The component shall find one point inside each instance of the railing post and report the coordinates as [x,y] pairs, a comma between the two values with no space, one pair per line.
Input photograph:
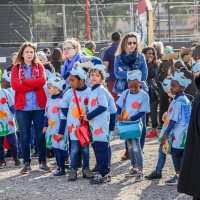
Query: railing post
[64,23]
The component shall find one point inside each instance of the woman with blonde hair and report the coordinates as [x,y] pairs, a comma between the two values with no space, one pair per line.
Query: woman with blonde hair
[128,58]
[71,51]
[27,80]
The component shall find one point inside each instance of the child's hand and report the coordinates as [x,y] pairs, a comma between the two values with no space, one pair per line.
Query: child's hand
[60,137]
[164,138]
[119,118]
[164,117]
[85,118]
[120,69]
[77,63]
[44,130]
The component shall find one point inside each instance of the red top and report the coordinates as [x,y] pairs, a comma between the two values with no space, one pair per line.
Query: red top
[27,85]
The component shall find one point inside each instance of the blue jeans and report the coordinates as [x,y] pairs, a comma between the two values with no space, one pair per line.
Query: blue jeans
[24,119]
[60,157]
[135,152]
[177,155]
[102,152]
[75,149]
[161,160]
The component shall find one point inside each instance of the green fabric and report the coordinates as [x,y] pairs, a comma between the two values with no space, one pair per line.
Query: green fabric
[87,51]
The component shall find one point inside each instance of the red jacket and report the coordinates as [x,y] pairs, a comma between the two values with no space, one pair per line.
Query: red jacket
[27,85]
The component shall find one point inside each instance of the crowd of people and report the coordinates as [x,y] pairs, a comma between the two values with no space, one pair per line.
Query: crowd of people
[58,104]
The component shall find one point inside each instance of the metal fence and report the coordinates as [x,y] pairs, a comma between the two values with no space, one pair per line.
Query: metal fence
[42,23]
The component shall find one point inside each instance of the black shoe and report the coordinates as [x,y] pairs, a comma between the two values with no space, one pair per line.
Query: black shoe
[59,172]
[17,162]
[154,175]
[26,169]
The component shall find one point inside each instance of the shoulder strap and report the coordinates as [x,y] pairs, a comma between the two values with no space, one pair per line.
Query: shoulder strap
[124,101]
[77,103]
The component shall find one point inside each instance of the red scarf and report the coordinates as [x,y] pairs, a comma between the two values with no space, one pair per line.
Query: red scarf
[35,72]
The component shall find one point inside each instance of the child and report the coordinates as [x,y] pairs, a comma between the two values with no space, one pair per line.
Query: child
[70,109]
[132,105]
[157,173]
[99,117]
[56,136]
[178,115]
[7,123]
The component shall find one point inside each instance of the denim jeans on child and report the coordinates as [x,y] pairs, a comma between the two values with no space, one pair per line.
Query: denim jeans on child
[60,157]
[24,119]
[177,155]
[12,141]
[102,152]
[161,160]
[135,152]
[74,154]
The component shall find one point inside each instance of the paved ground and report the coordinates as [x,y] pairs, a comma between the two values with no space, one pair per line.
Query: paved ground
[38,186]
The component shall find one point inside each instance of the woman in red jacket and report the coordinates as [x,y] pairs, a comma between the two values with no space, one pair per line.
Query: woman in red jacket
[28,79]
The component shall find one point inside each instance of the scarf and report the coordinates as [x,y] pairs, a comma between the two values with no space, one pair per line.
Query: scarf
[129,59]
[35,71]
[68,65]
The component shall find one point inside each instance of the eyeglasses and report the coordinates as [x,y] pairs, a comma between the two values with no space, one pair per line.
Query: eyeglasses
[130,43]
[68,48]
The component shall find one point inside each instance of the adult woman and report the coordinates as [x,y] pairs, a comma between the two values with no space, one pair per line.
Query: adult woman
[71,51]
[28,79]
[128,58]
[150,56]
[56,59]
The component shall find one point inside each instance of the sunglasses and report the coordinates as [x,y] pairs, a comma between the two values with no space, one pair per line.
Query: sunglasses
[130,43]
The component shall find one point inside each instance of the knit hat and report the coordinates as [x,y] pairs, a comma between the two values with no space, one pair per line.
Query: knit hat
[6,75]
[134,75]
[166,84]
[79,71]
[48,73]
[179,64]
[181,79]
[196,67]
[56,82]
[168,50]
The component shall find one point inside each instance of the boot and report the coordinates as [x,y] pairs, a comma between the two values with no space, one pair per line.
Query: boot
[87,173]
[72,175]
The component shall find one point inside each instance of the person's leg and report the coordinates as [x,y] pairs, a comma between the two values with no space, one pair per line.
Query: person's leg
[75,147]
[102,156]
[24,119]
[12,141]
[177,155]
[131,153]
[85,156]
[2,153]
[144,131]
[161,160]
[153,114]
[38,121]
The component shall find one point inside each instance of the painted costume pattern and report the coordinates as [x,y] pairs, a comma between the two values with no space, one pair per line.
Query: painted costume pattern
[54,115]
[135,103]
[73,116]
[7,122]
[99,126]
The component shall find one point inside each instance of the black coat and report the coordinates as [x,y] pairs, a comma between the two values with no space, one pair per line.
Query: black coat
[189,182]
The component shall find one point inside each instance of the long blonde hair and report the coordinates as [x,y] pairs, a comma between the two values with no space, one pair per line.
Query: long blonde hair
[122,45]
[20,59]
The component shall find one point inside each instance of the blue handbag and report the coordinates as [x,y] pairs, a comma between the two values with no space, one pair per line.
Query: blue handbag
[129,130]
